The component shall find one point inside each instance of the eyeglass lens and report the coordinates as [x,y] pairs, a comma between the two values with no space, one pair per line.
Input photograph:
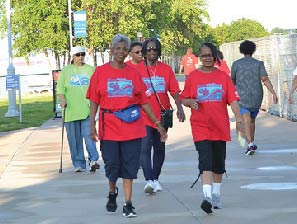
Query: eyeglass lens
[80,54]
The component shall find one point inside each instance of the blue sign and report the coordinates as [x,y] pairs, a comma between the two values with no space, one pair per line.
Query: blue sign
[80,24]
[12,82]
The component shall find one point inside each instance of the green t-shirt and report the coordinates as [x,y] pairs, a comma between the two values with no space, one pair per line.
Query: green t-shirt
[73,83]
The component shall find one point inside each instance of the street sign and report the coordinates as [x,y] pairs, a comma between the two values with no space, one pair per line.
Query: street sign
[80,24]
[12,82]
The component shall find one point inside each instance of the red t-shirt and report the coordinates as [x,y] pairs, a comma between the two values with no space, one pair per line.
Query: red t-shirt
[115,89]
[164,81]
[189,61]
[214,91]
[131,64]
[223,67]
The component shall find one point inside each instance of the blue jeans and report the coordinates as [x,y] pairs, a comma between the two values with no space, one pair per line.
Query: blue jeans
[76,132]
[152,169]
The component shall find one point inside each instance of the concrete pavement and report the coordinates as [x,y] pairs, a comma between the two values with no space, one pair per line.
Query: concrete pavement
[260,189]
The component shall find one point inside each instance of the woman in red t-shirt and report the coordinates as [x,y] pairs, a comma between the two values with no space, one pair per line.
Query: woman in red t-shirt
[115,86]
[207,92]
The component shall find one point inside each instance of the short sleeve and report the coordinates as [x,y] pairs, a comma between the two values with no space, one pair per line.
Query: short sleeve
[93,90]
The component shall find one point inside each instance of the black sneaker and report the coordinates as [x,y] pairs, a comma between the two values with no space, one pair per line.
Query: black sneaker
[251,150]
[206,206]
[128,210]
[111,205]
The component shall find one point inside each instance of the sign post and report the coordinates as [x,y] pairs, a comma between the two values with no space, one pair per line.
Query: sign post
[13,84]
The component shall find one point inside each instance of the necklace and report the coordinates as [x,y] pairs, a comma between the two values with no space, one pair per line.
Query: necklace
[153,72]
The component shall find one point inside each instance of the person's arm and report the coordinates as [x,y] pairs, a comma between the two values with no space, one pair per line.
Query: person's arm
[269,86]
[192,103]
[63,102]
[294,86]
[239,121]
[148,110]
[93,110]
[180,111]
[180,69]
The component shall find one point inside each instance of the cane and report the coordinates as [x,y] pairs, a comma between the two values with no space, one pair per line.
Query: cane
[63,124]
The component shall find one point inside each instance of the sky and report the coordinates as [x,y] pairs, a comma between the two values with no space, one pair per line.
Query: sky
[270,13]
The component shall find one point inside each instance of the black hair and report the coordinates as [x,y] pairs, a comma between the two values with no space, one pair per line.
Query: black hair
[133,44]
[158,46]
[220,55]
[213,50]
[247,47]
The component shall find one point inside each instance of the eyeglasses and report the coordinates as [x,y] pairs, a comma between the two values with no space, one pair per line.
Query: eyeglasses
[206,56]
[136,52]
[80,54]
[152,49]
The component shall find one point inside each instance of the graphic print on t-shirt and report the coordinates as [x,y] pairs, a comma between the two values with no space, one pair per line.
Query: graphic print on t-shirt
[158,83]
[210,93]
[79,80]
[119,87]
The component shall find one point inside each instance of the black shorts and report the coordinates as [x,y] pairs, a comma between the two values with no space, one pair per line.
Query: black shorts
[211,156]
[121,158]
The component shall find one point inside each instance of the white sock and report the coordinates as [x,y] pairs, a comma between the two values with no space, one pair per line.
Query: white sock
[216,188]
[207,190]
[250,144]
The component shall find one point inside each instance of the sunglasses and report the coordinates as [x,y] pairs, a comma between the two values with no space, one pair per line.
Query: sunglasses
[80,54]
[152,49]
[136,52]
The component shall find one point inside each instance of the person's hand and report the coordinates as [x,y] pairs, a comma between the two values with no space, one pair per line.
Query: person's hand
[240,127]
[93,134]
[63,103]
[194,104]
[181,114]
[162,132]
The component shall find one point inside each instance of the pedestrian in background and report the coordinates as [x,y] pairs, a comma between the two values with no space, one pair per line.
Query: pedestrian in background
[116,86]
[294,86]
[222,65]
[160,80]
[208,91]
[72,86]
[248,74]
[135,53]
[189,62]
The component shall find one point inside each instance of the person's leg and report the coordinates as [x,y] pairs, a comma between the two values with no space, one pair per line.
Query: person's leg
[253,128]
[75,143]
[90,144]
[111,157]
[246,115]
[204,149]
[146,148]
[159,154]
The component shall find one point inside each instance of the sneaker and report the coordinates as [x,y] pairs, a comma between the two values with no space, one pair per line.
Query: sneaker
[128,210]
[206,205]
[250,150]
[111,205]
[216,201]
[93,166]
[97,166]
[78,170]
[158,186]
[149,187]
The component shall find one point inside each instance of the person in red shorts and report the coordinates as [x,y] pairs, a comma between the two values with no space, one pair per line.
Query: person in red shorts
[160,80]
[116,86]
[189,62]
[208,91]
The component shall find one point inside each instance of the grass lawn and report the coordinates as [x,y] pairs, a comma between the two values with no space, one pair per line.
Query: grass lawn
[36,109]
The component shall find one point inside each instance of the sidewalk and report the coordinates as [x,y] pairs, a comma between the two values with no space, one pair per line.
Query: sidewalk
[32,190]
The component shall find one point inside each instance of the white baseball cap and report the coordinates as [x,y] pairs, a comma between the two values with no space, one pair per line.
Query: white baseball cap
[77,49]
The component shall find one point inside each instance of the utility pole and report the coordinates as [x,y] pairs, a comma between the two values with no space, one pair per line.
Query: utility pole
[12,109]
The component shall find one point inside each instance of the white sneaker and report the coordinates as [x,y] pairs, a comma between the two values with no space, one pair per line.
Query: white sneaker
[78,170]
[149,187]
[158,186]
[93,165]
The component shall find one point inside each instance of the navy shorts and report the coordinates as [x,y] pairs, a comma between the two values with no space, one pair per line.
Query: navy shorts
[121,158]
[211,156]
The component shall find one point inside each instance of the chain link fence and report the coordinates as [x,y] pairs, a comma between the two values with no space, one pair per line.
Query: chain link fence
[279,54]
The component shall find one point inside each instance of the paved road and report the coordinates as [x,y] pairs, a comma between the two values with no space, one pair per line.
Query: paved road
[260,189]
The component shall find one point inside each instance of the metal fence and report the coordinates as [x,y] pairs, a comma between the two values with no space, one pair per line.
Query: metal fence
[279,54]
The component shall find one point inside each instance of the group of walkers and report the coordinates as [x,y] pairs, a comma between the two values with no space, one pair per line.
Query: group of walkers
[131,101]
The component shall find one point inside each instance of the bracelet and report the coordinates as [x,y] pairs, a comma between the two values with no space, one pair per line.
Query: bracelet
[157,122]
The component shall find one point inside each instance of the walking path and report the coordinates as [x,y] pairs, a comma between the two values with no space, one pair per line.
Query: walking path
[260,189]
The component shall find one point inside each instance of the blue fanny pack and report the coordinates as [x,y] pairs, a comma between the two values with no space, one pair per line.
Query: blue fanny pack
[128,114]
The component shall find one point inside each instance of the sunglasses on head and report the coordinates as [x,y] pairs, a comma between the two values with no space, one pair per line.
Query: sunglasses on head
[152,49]
[80,54]
[136,52]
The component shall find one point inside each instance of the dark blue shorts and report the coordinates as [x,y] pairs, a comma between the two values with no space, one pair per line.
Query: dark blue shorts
[253,113]
[121,158]
[211,156]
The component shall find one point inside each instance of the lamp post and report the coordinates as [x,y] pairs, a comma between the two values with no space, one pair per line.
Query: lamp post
[12,109]
[70,22]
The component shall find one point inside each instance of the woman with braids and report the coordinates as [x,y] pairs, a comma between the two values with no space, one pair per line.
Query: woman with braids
[208,91]
[160,80]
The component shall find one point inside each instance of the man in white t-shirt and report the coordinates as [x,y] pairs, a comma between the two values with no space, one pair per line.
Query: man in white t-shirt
[294,86]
